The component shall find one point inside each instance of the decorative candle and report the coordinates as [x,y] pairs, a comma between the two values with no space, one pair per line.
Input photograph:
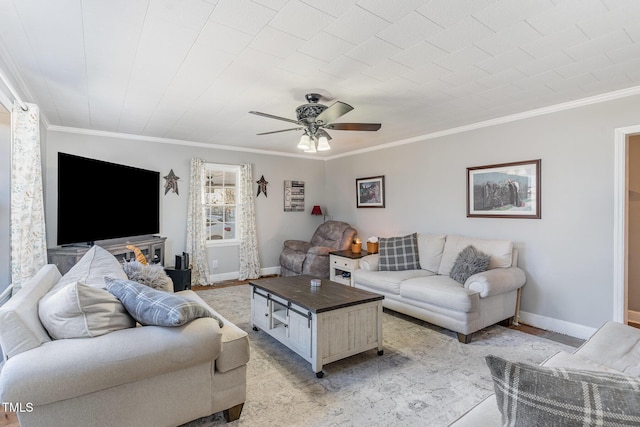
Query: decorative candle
[356,247]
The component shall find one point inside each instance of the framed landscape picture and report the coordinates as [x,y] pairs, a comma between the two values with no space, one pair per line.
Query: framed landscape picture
[507,190]
[370,192]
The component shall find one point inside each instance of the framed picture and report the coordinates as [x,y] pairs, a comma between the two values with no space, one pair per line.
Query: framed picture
[294,196]
[370,192]
[507,190]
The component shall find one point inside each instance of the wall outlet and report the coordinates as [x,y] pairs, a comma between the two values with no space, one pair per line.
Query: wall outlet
[214,263]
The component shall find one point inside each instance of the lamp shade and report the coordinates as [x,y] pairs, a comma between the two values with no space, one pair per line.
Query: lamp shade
[304,142]
[316,210]
[323,144]
[312,147]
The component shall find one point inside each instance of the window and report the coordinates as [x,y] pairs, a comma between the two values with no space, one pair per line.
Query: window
[221,208]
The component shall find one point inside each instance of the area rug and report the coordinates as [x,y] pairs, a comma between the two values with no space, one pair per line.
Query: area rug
[425,377]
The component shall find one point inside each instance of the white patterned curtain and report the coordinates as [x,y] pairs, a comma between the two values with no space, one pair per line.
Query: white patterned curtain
[196,240]
[249,260]
[28,237]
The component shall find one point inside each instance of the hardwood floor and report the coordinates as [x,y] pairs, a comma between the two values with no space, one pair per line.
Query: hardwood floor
[8,419]
[553,336]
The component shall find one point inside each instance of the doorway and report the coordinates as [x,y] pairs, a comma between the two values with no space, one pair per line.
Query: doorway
[626,236]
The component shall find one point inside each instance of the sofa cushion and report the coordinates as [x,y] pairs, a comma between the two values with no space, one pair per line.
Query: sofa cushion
[442,291]
[530,395]
[430,249]
[562,359]
[470,261]
[387,281]
[81,311]
[94,265]
[152,275]
[501,252]
[235,341]
[20,327]
[399,253]
[615,345]
[152,307]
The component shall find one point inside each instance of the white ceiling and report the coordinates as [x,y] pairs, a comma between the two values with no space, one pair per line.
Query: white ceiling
[192,69]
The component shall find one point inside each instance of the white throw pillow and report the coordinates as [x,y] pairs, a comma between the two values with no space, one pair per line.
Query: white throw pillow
[20,327]
[92,268]
[81,311]
[430,248]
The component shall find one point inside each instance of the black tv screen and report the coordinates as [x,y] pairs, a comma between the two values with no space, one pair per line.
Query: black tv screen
[98,200]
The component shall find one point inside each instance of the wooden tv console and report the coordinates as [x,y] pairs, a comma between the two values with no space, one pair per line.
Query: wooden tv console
[65,257]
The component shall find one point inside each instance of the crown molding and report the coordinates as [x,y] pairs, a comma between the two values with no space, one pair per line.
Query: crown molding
[160,140]
[597,99]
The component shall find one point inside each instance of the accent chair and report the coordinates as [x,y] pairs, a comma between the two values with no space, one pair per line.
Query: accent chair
[300,257]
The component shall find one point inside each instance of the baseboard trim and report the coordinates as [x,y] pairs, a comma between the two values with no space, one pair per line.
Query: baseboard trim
[557,325]
[236,274]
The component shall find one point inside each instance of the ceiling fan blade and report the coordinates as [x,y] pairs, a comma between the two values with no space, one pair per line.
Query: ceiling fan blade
[354,126]
[337,109]
[322,132]
[278,131]
[271,116]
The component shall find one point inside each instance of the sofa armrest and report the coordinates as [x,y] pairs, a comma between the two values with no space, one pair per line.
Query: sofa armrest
[67,368]
[496,281]
[370,262]
[320,250]
[297,245]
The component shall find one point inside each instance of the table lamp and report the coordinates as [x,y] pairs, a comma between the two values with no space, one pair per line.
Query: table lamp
[317,210]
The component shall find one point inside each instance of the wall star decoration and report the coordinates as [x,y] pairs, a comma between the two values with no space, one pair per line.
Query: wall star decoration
[262,186]
[171,183]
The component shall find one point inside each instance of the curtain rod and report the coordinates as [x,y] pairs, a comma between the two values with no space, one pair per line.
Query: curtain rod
[6,82]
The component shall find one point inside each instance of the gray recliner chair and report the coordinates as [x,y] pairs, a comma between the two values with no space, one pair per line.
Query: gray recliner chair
[300,257]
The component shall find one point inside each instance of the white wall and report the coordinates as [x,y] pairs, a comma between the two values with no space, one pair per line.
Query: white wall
[5,201]
[567,255]
[274,225]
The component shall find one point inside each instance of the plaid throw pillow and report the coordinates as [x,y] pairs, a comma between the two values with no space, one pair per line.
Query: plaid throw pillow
[399,253]
[152,307]
[534,396]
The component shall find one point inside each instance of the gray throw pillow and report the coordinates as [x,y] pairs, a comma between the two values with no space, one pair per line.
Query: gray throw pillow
[470,261]
[152,275]
[532,396]
[399,253]
[152,307]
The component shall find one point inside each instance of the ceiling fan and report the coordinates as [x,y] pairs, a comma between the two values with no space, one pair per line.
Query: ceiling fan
[314,118]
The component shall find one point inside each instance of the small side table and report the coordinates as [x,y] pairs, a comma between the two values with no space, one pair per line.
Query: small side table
[342,264]
[181,278]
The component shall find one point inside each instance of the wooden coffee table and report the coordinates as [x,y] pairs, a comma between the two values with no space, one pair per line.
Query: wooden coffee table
[322,324]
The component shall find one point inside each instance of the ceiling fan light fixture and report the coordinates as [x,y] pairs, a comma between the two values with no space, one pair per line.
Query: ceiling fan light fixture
[305,142]
[312,147]
[323,144]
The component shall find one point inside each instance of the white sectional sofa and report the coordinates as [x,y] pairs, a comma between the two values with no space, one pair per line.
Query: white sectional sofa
[613,349]
[430,294]
[133,376]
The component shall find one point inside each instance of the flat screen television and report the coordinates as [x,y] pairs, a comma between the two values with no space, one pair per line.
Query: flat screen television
[98,200]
